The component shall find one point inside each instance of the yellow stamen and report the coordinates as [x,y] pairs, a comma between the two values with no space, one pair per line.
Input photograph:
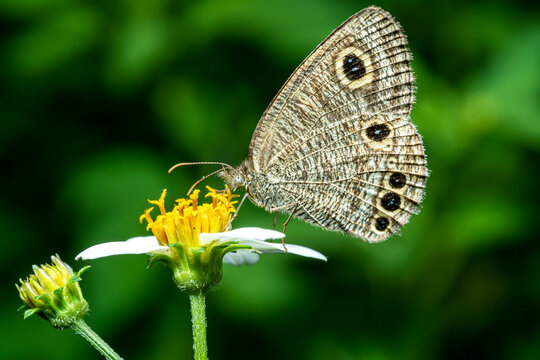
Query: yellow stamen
[148,218]
[195,197]
[160,202]
[189,218]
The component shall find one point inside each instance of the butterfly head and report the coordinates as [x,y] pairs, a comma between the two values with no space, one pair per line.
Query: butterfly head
[234,177]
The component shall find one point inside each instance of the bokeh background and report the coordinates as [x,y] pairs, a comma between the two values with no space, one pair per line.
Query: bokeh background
[100,98]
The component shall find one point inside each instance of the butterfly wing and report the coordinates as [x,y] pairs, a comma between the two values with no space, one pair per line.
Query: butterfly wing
[337,138]
[365,176]
[377,78]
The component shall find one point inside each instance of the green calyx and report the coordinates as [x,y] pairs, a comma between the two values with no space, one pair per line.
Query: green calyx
[196,269]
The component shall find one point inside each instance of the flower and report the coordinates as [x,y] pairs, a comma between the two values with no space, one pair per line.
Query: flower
[194,239]
[53,292]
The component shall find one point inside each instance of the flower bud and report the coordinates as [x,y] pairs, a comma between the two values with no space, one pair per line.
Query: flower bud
[53,292]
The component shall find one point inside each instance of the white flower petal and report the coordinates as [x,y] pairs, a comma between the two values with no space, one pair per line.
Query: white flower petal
[136,245]
[254,237]
[241,257]
[268,248]
[247,233]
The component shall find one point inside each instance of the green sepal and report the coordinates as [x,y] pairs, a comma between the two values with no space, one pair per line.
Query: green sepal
[22,307]
[57,292]
[77,277]
[151,261]
[30,312]
[198,250]
[154,258]
[74,279]
[234,247]
[80,272]
[46,296]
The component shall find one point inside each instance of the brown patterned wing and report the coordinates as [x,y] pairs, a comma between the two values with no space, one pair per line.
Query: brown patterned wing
[338,140]
[371,179]
[362,67]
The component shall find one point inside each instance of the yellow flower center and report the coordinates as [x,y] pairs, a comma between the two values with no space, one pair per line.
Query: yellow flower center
[189,218]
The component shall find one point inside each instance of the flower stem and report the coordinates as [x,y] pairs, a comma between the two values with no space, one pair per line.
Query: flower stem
[81,328]
[198,320]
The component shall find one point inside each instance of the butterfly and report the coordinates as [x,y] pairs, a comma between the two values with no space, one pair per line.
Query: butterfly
[336,147]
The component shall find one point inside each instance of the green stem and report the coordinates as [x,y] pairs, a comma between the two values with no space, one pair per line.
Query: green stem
[198,320]
[81,328]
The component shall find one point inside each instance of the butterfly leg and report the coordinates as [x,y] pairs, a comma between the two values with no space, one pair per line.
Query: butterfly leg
[289,219]
[285,224]
[276,209]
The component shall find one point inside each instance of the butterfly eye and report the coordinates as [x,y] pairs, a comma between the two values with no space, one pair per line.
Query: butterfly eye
[239,180]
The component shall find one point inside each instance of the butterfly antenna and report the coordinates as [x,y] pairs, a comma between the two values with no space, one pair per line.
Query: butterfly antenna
[236,212]
[200,163]
[201,179]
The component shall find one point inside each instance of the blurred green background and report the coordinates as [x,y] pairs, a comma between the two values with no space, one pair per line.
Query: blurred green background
[100,98]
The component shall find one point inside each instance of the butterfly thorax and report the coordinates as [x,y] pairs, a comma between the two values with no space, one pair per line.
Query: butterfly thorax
[264,190]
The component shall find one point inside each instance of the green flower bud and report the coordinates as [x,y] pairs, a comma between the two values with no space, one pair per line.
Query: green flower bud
[53,292]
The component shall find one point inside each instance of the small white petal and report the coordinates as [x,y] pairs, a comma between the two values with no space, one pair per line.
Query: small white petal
[136,245]
[268,248]
[241,257]
[247,233]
